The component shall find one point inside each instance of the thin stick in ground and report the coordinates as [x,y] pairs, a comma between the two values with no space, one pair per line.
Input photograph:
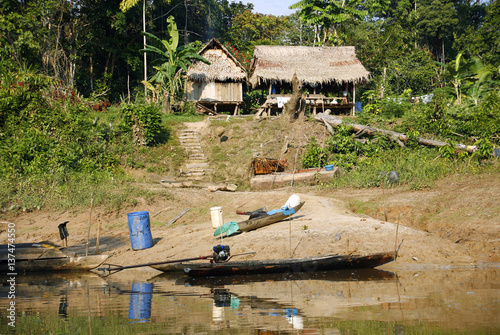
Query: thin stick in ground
[90,224]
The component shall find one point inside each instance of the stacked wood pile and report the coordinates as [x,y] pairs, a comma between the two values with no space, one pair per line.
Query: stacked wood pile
[267,165]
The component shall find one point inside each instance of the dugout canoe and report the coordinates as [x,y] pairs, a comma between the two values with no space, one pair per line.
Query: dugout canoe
[262,221]
[35,257]
[293,265]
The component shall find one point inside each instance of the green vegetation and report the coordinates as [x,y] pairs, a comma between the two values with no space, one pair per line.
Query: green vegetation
[167,79]
[75,121]
[56,149]
[419,166]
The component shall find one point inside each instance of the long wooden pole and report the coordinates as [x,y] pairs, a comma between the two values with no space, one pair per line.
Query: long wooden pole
[98,238]
[90,224]
[144,45]
[396,242]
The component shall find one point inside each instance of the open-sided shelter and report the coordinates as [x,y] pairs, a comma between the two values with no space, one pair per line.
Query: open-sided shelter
[329,75]
[218,85]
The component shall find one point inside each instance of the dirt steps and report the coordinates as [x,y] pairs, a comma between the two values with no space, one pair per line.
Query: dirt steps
[197,165]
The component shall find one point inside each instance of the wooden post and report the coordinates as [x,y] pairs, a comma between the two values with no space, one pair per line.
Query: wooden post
[90,224]
[354,99]
[144,46]
[98,238]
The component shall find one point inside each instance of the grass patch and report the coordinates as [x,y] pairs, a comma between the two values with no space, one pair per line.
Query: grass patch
[362,207]
[417,168]
[74,192]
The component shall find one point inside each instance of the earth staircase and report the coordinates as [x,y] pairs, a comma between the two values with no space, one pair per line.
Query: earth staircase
[197,165]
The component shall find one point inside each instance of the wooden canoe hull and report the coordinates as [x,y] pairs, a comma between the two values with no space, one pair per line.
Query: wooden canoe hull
[34,257]
[263,221]
[27,251]
[82,263]
[295,265]
[176,267]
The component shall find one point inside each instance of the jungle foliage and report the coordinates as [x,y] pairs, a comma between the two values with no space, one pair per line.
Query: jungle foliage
[74,115]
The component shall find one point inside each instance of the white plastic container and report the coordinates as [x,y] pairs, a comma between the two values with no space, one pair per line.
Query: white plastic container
[293,201]
[217,217]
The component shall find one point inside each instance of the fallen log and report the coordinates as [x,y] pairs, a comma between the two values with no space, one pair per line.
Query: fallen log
[268,181]
[331,121]
[195,184]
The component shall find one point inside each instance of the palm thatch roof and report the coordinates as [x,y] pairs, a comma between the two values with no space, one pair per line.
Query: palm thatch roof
[313,65]
[223,66]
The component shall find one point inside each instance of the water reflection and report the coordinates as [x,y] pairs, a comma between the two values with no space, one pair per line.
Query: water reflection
[63,307]
[420,302]
[140,302]
[330,276]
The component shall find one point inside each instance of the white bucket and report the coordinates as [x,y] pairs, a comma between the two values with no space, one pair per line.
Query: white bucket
[217,217]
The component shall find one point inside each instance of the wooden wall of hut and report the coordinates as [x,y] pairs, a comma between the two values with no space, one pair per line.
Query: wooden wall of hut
[214,91]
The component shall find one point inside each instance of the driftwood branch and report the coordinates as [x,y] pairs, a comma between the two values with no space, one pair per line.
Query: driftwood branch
[177,217]
[400,138]
[164,209]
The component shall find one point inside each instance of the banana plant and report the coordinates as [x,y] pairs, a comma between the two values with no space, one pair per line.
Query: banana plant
[173,59]
[457,71]
[480,80]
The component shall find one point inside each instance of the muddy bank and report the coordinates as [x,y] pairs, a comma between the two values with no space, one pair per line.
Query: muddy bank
[324,225]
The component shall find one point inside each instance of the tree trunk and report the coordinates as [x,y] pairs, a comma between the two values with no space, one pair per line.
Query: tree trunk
[292,108]
[333,121]
[165,103]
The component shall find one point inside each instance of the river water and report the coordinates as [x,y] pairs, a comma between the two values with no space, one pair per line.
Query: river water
[411,301]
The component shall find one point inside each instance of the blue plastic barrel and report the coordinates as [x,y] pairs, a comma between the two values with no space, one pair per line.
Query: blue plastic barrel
[140,302]
[140,230]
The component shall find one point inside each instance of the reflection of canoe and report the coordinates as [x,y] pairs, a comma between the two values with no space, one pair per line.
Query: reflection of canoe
[357,275]
[31,257]
[293,265]
[265,220]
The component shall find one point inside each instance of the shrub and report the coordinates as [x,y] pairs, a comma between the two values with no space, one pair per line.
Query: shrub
[314,155]
[145,122]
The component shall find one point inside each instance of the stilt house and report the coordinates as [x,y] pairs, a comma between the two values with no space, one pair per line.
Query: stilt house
[218,86]
[329,76]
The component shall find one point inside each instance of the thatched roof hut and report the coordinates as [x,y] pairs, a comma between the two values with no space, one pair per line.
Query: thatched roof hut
[218,84]
[313,65]
[223,66]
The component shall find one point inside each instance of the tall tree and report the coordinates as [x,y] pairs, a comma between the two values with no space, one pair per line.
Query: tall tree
[108,50]
[23,31]
[173,58]
[491,32]
[249,29]
[125,5]
[482,36]
[328,17]
[437,22]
